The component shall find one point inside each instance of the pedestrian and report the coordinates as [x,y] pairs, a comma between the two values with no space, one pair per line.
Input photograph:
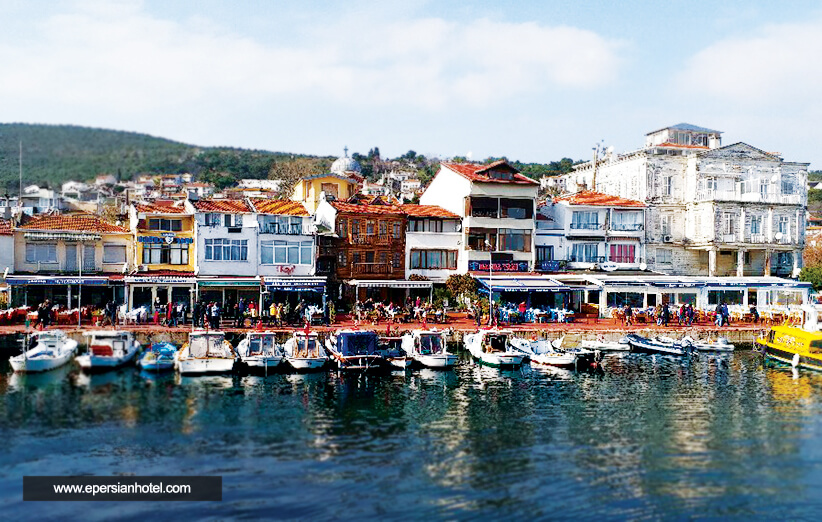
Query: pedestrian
[755,313]
[666,315]
[239,311]
[718,312]
[726,316]
[629,315]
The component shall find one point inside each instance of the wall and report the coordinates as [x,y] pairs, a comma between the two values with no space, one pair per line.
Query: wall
[248,232]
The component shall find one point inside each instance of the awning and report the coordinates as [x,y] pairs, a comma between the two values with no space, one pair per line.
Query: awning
[295,284]
[388,283]
[165,280]
[523,284]
[55,280]
[230,281]
[65,236]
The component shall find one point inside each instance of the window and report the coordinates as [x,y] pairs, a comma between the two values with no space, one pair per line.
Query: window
[341,259]
[226,250]
[584,253]
[664,256]
[478,236]
[397,263]
[342,228]
[434,259]
[425,225]
[41,252]
[665,224]
[383,228]
[668,186]
[287,252]
[756,224]
[114,253]
[763,188]
[330,189]
[168,225]
[728,223]
[383,257]
[355,257]
[783,225]
[516,208]
[212,219]
[369,228]
[622,253]
[515,240]
[355,227]
[484,207]
[369,256]
[623,220]
[585,220]
[397,230]
[787,185]
[729,297]
[545,253]
[233,220]
[164,254]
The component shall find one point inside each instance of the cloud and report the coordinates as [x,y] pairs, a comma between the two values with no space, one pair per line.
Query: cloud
[779,64]
[116,56]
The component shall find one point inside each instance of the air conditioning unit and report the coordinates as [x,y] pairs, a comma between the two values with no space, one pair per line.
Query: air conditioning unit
[667,239]
[141,268]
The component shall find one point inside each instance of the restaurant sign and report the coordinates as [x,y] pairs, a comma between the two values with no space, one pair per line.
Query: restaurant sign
[504,266]
[57,280]
[167,239]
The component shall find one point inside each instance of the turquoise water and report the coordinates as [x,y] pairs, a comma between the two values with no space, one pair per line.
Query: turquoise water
[649,438]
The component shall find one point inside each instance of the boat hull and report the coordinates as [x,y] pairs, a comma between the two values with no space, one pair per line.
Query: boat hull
[501,360]
[97,363]
[158,366]
[34,365]
[262,362]
[557,361]
[205,366]
[307,364]
[400,363]
[363,363]
[441,361]
[786,357]
[648,346]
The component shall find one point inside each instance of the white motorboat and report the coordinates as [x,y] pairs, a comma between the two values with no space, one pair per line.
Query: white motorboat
[45,351]
[659,345]
[304,352]
[391,348]
[108,349]
[428,349]
[548,353]
[259,351]
[605,346]
[720,345]
[206,352]
[356,350]
[493,348]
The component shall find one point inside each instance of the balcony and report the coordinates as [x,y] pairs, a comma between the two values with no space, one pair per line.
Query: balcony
[622,259]
[627,227]
[585,226]
[372,239]
[586,259]
[756,238]
[372,268]
[748,197]
[285,230]
[782,239]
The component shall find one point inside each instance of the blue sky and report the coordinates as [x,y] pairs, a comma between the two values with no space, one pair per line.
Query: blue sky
[534,81]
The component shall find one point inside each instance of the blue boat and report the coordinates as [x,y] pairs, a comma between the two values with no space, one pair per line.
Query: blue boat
[159,358]
[357,350]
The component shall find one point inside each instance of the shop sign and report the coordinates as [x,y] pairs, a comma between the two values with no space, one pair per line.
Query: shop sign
[505,266]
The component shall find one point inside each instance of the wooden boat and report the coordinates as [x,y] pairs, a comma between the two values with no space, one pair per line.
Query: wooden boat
[428,349]
[259,351]
[206,352]
[659,346]
[391,348]
[304,352]
[492,347]
[45,351]
[108,349]
[356,350]
[159,357]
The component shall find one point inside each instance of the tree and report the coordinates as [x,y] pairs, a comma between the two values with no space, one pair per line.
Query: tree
[812,275]
[291,171]
[812,255]
[462,286]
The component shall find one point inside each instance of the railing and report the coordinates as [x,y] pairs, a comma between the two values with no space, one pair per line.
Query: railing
[748,197]
[627,227]
[585,226]
[784,240]
[729,238]
[622,259]
[586,259]
[372,268]
[483,213]
[56,267]
[286,230]
[372,239]
[756,238]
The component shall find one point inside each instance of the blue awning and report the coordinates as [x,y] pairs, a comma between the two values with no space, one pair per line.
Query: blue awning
[55,280]
[295,284]
[522,284]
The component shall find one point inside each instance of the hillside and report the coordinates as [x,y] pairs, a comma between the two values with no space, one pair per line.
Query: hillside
[53,154]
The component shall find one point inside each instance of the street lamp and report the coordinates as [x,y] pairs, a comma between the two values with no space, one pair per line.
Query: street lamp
[490,282]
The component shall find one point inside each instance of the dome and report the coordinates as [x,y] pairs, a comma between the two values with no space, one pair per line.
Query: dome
[345,164]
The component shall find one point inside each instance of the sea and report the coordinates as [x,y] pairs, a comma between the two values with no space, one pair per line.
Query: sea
[649,437]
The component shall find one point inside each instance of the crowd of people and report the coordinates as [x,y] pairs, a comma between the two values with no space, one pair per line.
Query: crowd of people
[664,314]
[411,310]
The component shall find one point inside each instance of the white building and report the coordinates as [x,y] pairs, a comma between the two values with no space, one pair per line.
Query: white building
[36,200]
[590,229]
[711,210]
[226,237]
[497,207]
[432,242]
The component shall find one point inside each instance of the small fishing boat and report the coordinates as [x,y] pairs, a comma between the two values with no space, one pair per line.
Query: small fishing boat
[391,349]
[259,351]
[206,352]
[304,352]
[159,357]
[605,346]
[108,349]
[45,351]
[493,348]
[720,345]
[658,345]
[549,353]
[356,350]
[428,349]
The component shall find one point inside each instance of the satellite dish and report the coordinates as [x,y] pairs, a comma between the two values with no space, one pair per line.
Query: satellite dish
[643,266]
[774,178]
[778,236]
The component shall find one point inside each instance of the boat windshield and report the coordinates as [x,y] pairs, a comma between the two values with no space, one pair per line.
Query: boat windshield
[307,347]
[496,343]
[259,344]
[364,343]
[391,346]
[430,344]
[205,345]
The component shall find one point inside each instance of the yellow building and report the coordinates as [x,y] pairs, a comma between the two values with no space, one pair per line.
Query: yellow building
[342,182]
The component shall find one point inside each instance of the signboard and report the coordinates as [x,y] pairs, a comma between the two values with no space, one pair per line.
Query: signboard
[548,266]
[57,281]
[505,266]
[161,280]
[165,239]
[608,266]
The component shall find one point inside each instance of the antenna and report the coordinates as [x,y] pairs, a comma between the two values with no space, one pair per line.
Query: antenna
[20,197]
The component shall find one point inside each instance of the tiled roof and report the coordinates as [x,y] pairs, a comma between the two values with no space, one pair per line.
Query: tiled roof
[427,211]
[160,208]
[283,207]
[680,146]
[225,206]
[6,227]
[73,222]
[366,209]
[592,198]
[475,172]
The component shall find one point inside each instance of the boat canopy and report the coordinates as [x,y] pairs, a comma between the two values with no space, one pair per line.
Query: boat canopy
[205,344]
[259,344]
[431,344]
[357,343]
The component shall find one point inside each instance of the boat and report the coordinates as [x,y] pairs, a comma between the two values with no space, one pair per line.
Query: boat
[159,357]
[720,345]
[356,350]
[45,351]
[658,345]
[801,347]
[206,352]
[108,349]
[391,348]
[548,353]
[428,349]
[605,346]
[259,351]
[304,352]
[493,348]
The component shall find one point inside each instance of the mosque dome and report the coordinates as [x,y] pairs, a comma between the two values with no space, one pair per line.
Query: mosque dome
[345,164]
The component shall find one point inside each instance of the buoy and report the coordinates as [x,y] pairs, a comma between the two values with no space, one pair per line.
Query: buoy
[795,360]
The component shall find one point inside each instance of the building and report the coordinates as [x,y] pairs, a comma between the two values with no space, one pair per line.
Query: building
[588,230]
[496,204]
[163,233]
[342,182]
[56,254]
[432,242]
[711,209]
[36,200]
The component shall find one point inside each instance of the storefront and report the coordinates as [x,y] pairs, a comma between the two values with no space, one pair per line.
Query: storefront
[391,290]
[230,289]
[64,291]
[143,290]
[535,291]
[311,289]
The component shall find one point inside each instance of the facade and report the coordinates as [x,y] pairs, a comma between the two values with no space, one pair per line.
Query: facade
[497,207]
[226,237]
[711,210]
[341,183]
[432,242]
[590,229]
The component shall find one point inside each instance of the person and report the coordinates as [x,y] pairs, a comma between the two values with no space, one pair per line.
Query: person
[195,313]
[666,315]
[215,316]
[755,313]
[629,314]
[496,314]
[718,311]
[690,313]
[46,319]
[156,310]
[332,313]
[111,312]
[171,314]
[39,314]
[726,315]
[521,310]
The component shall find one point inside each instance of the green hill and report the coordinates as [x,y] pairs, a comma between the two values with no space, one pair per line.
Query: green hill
[53,154]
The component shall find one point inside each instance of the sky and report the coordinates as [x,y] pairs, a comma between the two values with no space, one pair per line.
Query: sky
[531,81]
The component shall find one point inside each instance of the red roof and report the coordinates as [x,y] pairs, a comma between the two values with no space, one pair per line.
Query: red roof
[481,173]
[225,206]
[72,222]
[427,211]
[591,198]
[366,209]
[6,227]
[165,207]
[283,207]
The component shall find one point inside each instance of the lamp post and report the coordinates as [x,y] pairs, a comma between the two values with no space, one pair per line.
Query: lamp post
[490,282]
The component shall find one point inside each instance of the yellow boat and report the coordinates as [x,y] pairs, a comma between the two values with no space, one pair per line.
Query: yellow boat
[799,347]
